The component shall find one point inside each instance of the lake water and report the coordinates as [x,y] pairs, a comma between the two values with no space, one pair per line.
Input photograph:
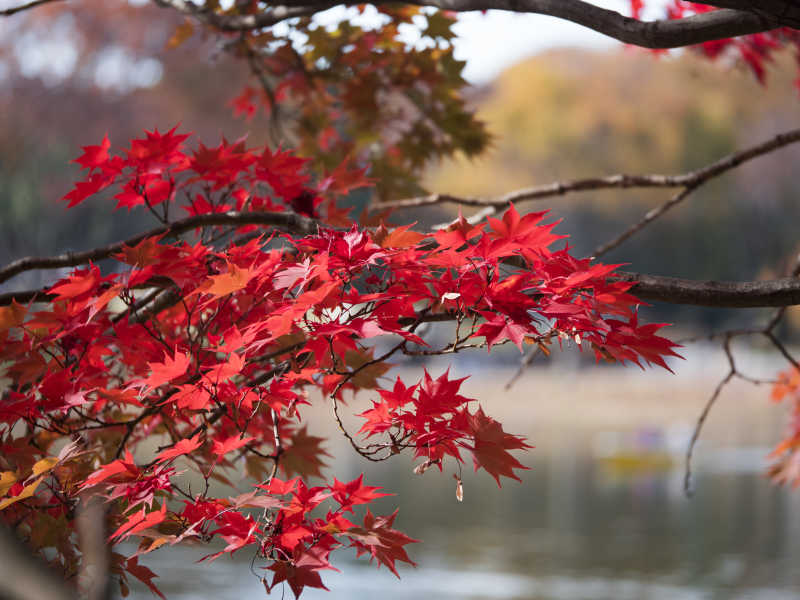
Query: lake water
[601,514]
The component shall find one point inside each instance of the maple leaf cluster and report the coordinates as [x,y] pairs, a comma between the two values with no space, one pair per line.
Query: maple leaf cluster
[756,50]
[198,346]
[363,90]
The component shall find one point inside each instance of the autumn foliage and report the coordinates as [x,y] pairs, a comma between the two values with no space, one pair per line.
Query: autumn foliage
[757,50]
[189,353]
[193,351]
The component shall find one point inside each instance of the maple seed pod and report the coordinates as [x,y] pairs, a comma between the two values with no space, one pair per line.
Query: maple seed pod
[422,467]
[459,488]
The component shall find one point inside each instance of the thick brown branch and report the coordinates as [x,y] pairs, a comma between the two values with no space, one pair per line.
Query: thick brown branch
[723,294]
[667,33]
[673,33]
[288,221]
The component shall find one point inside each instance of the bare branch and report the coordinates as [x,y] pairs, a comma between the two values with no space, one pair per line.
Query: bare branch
[650,216]
[697,178]
[782,349]
[526,361]
[687,478]
[690,179]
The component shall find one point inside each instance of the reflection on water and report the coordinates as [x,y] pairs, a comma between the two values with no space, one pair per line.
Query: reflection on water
[574,529]
[600,515]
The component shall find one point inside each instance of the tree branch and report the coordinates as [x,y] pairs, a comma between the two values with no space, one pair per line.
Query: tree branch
[288,221]
[785,12]
[697,179]
[667,33]
[722,294]
[658,288]
[619,181]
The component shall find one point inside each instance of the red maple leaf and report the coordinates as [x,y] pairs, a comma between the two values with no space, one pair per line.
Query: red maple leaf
[166,371]
[143,574]
[186,446]
[491,445]
[499,327]
[380,541]
[234,442]
[354,492]
[94,156]
[301,571]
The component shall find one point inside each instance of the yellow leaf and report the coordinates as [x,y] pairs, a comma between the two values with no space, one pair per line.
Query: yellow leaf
[182,33]
[7,479]
[26,492]
[157,543]
[44,465]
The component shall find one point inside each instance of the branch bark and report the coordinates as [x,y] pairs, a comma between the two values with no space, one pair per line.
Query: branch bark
[786,12]
[722,294]
[288,221]
[667,33]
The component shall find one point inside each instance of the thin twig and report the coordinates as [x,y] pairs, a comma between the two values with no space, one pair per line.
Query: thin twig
[687,478]
[648,218]
[527,359]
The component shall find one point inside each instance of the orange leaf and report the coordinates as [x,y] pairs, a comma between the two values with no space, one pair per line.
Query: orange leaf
[182,33]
